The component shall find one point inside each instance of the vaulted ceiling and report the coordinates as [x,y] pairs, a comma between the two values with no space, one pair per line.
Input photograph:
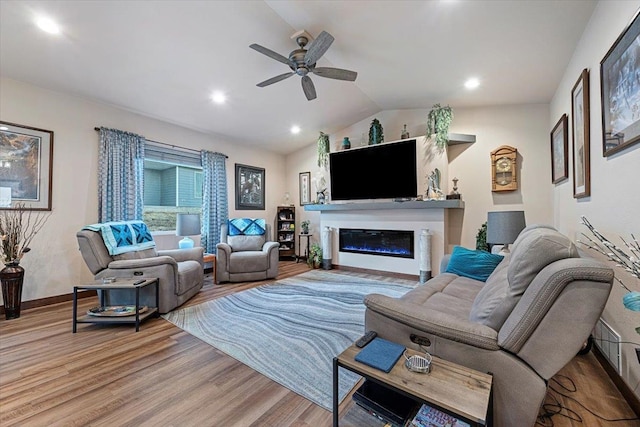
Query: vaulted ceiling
[164,59]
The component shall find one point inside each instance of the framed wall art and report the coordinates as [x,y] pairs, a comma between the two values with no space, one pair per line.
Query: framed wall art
[620,97]
[560,151]
[249,187]
[580,136]
[304,184]
[26,166]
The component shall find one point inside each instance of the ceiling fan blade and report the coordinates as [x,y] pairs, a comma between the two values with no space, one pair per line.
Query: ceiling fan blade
[318,47]
[308,88]
[275,79]
[335,73]
[271,54]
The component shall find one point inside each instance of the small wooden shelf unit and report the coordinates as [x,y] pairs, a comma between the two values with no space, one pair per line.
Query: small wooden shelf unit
[285,231]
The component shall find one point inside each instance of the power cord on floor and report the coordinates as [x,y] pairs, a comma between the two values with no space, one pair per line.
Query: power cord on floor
[555,408]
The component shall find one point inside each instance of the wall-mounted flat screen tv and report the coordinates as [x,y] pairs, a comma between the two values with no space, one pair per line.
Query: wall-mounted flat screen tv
[385,171]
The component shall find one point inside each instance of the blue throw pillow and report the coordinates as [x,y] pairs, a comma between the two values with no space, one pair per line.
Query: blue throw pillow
[476,265]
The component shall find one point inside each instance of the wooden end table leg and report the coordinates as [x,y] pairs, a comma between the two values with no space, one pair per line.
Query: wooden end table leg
[137,308]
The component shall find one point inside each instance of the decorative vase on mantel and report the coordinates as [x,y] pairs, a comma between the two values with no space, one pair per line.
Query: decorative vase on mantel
[346,144]
[12,276]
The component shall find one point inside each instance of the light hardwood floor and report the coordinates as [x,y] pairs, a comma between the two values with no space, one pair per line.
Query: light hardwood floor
[162,376]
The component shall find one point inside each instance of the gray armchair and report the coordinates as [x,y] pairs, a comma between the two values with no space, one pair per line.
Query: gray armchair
[246,258]
[180,271]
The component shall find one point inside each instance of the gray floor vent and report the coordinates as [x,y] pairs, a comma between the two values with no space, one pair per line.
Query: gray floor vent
[608,342]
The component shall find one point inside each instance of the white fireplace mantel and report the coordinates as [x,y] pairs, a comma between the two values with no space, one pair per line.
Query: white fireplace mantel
[412,204]
[410,215]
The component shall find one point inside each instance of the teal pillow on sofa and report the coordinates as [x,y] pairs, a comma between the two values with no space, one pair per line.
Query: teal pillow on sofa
[476,265]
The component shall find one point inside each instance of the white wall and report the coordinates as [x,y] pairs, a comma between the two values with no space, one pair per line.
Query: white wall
[54,264]
[522,126]
[614,205]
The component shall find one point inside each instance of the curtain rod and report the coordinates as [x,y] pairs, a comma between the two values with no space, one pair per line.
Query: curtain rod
[169,145]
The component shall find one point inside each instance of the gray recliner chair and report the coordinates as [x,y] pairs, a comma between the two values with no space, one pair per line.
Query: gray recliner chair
[180,271]
[246,258]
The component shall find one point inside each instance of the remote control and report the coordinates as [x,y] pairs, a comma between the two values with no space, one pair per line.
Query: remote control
[366,339]
[139,281]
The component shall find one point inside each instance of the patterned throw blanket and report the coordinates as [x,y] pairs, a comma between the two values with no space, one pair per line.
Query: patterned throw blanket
[124,236]
[247,227]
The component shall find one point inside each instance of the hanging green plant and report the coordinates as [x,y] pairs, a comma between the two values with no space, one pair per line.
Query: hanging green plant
[438,121]
[376,136]
[323,150]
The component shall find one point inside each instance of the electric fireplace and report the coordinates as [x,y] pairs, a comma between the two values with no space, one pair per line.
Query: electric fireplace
[393,243]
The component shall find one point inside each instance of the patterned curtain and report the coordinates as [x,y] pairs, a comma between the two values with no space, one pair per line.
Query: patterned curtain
[215,204]
[120,175]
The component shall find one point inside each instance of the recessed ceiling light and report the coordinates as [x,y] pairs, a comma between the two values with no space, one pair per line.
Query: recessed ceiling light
[47,25]
[472,83]
[295,129]
[218,97]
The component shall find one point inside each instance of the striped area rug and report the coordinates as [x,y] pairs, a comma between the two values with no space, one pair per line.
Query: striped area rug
[291,330]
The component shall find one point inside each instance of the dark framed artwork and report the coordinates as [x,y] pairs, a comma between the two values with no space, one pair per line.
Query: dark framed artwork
[26,166]
[249,187]
[580,136]
[620,91]
[560,150]
[304,184]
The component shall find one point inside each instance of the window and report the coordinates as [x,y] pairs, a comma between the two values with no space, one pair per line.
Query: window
[172,185]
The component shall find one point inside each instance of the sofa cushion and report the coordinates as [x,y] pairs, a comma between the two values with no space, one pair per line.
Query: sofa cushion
[477,265]
[534,249]
[246,243]
[248,261]
[146,253]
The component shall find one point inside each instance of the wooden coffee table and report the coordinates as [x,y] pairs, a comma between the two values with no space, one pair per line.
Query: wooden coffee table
[449,387]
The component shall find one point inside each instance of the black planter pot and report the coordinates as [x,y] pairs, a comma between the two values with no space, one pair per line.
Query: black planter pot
[12,276]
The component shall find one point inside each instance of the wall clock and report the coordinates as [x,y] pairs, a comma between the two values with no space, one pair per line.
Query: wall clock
[504,173]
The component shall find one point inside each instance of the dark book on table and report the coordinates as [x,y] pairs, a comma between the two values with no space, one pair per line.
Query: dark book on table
[380,354]
[385,403]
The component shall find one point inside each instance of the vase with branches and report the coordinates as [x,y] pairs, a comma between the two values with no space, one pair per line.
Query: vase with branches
[18,227]
[626,257]
[438,122]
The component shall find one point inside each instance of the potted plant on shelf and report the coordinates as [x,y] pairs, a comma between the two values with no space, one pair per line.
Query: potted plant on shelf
[304,226]
[17,229]
[315,256]
[438,121]
[376,136]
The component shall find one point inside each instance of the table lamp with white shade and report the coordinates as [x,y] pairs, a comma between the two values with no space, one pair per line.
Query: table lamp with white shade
[187,225]
[504,227]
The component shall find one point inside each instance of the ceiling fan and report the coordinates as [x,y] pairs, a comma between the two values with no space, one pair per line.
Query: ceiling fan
[303,61]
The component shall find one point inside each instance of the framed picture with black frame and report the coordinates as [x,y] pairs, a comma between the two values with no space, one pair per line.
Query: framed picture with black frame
[620,91]
[26,167]
[304,184]
[580,136]
[249,187]
[560,151]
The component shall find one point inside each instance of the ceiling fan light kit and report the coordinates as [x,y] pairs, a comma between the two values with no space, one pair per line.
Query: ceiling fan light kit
[303,61]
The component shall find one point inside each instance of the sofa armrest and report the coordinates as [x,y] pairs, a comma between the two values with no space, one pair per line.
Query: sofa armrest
[444,263]
[190,254]
[142,263]
[435,322]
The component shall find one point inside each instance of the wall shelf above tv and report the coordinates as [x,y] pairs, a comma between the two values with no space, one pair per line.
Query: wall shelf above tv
[413,204]
[461,138]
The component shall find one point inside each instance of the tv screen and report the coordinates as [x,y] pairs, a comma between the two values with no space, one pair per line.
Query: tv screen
[385,171]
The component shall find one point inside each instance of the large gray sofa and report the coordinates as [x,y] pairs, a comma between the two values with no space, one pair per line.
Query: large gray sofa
[523,325]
